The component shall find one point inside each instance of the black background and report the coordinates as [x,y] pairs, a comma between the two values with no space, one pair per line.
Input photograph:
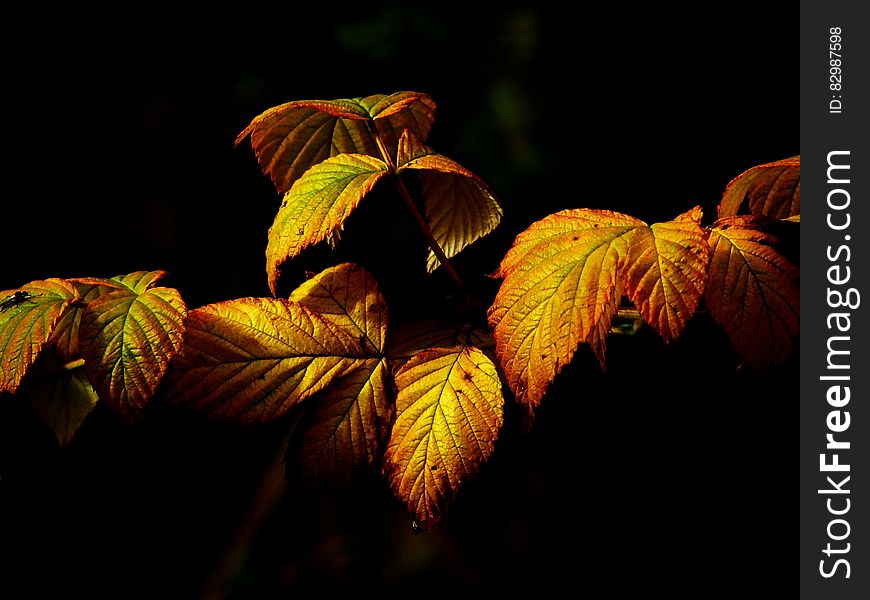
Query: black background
[669,466]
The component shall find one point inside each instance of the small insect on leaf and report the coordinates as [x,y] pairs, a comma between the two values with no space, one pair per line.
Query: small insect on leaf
[16,299]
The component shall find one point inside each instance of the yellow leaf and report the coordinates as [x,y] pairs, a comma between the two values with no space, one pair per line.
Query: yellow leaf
[667,271]
[290,138]
[251,359]
[460,208]
[62,395]
[28,316]
[348,296]
[562,285]
[342,432]
[773,190]
[752,292]
[318,204]
[449,411]
[127,338]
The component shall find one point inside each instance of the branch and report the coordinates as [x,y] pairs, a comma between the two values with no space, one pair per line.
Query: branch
[412,207]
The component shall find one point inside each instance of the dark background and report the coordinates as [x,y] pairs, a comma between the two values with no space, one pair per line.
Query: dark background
[669,466]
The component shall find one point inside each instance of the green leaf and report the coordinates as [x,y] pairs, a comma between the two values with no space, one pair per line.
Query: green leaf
[28,316]
[752,291]
[318,204]
[449,412]
[290,138]
[127,339]
[460,208]
[773,190]
[60,393]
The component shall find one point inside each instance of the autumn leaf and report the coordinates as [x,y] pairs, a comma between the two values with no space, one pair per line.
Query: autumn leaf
[562,285]
[61,394]
[65,338]
[252,359]
[752,292]
[415,336]
[342,432]
[449,413]
[564,278]
[28,316]
[666,271]
[290,138]
[773,190]
[460,208]
[317,204]
[127,338]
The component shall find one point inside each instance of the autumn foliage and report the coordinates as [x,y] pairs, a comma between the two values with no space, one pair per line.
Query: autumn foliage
[423,402]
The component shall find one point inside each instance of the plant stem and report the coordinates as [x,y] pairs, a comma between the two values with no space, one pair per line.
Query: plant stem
[269,493]
[73,364]
[412,207]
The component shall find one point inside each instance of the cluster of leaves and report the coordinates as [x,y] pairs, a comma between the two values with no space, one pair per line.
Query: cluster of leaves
[425,402]
[326,155]
[564,278]
[77,340]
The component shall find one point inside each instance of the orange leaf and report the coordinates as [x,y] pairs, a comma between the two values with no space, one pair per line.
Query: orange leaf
[666,272]
[751,291]
[28,317]
[773,190]
[562,286]
[127,338]
[290,138]
[317,204]
[252,359]
[449,413]
[460,208]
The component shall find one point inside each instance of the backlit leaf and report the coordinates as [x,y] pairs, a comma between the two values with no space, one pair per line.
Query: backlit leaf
[562,286]
[251,359]
[28,316]
[449,411]
[128,338]
[348,296]
[290,138]
[773,190]
[62,395]
[342,432]
[65,338]
[317,204]
[752,292]
[460,208]
[666,272]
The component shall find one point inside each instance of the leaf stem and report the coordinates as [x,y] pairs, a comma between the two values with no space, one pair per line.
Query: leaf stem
[415,212]
[73,364]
